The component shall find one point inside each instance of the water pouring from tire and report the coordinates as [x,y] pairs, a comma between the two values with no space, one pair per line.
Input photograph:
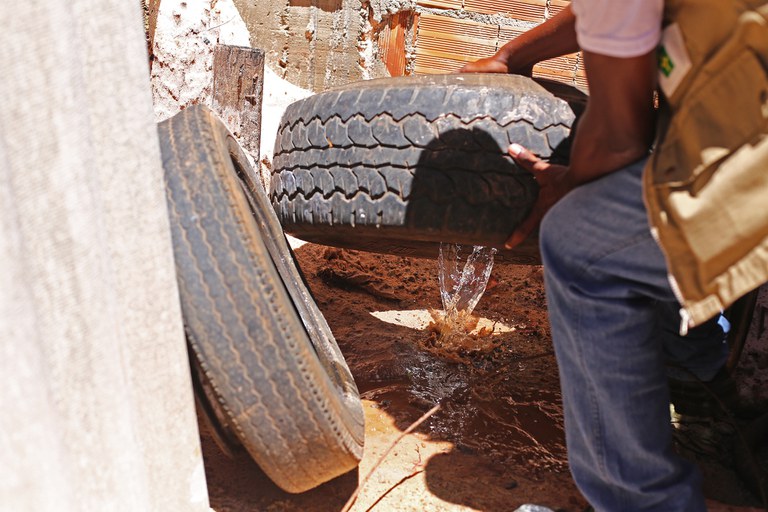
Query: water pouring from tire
[463,274]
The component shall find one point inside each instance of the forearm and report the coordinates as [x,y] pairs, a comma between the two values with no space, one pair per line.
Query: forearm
[553,38]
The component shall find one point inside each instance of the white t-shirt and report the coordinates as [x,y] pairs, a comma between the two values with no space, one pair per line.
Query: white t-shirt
[618,28]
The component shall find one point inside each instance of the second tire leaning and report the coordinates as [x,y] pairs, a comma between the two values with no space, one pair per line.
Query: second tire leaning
[267,369]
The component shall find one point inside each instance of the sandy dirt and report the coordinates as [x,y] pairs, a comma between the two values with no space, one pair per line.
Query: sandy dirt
[496,444]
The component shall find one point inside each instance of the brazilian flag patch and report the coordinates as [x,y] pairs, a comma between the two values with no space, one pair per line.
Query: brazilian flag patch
[673,59]
[665,62]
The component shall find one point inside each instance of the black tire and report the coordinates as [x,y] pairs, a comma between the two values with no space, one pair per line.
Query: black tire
[267,369]
[398,165]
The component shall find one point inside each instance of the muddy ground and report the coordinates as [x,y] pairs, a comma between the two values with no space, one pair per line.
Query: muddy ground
[496,443]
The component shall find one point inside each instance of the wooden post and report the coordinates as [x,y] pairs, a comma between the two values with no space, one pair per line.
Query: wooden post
[238,92]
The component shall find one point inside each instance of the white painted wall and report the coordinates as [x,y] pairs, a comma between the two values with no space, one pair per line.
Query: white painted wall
[96,401]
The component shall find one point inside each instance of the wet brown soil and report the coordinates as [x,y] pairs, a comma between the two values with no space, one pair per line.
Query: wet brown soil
[501,404]
[496,443]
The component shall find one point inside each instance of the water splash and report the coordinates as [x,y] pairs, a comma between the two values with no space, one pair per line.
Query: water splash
[463,277]
[463,274]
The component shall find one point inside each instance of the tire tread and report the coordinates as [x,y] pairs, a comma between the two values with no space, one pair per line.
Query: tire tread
[241,322]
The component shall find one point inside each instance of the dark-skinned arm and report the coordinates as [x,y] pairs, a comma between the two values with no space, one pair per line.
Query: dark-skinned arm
[553,38]
[616,129]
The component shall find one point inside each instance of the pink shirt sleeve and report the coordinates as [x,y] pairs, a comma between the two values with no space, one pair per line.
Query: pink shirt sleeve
[618,28]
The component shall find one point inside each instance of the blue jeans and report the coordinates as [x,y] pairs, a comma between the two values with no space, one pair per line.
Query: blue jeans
[615,328]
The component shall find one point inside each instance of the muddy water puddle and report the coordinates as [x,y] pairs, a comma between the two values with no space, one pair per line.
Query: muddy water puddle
[496,381]
[484,412]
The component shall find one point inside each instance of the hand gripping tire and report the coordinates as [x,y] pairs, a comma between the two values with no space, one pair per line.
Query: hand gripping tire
[398,165]
[267,370]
